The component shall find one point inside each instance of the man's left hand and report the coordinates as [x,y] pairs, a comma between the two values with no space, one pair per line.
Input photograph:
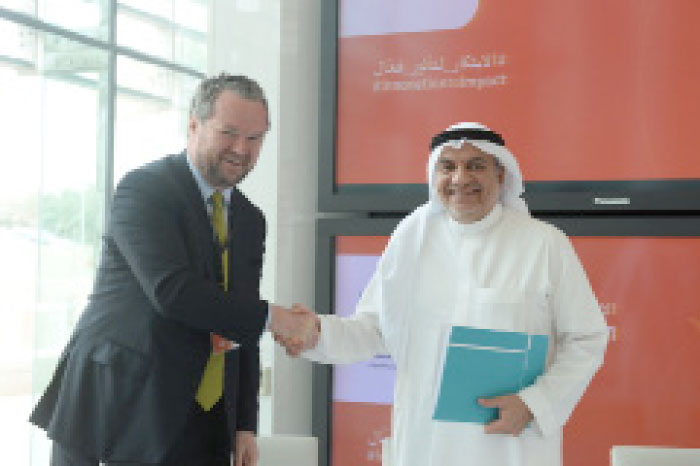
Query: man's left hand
[513,415]
[246,449]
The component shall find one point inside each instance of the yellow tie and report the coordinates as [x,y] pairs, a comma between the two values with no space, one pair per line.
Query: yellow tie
[211,386]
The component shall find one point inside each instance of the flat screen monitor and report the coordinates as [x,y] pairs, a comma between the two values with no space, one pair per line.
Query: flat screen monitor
[645,276]
[597,100]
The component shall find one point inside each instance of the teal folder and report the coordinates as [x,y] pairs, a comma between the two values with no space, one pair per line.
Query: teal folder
[483,363]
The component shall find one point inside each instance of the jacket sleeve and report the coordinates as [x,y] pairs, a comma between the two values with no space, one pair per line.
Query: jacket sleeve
[150,227]
[248,389]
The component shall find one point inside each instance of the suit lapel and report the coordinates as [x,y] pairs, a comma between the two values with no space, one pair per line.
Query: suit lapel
[235,228]
[195,206]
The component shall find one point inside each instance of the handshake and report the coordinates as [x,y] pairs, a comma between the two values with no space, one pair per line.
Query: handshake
[297,329]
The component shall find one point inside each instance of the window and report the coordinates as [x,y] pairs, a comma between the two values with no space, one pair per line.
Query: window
[78,111]
[175,30]
[86,17]
[152,99]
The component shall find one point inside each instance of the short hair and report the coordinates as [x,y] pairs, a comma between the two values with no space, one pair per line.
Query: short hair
[202,103]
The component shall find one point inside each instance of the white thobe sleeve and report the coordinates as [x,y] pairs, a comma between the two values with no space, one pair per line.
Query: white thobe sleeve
[580,337]
[354,338]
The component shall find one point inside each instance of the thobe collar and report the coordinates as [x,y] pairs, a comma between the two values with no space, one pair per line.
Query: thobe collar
[475,228]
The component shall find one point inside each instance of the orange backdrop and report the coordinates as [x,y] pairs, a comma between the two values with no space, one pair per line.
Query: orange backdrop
[581,90]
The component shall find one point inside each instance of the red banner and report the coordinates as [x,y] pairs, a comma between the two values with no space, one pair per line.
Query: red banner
[581,90]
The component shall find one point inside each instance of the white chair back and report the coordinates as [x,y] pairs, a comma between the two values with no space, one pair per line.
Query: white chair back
[286,450]
[653,456]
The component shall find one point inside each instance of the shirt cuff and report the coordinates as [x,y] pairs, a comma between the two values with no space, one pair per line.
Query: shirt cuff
[540,409]
[267,319]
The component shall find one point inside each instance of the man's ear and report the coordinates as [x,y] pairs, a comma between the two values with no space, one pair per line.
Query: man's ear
[192,125]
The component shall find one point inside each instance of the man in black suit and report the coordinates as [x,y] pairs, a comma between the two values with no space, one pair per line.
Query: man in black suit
[128,387]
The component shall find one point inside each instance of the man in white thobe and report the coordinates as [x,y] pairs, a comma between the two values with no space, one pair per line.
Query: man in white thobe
[472,255]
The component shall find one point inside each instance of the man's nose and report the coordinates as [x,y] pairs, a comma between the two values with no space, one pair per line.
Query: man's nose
[239,145]
[462,175]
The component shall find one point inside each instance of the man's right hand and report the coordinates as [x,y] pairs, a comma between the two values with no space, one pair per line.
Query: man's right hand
[296,329]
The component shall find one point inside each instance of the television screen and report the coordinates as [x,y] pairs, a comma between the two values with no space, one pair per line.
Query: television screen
[645,277]
[592,97]
[362,392]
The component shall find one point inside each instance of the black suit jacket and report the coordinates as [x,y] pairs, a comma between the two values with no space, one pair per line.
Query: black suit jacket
[126,380]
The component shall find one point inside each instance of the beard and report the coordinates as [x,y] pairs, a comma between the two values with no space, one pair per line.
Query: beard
[218,177]
[219,174]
